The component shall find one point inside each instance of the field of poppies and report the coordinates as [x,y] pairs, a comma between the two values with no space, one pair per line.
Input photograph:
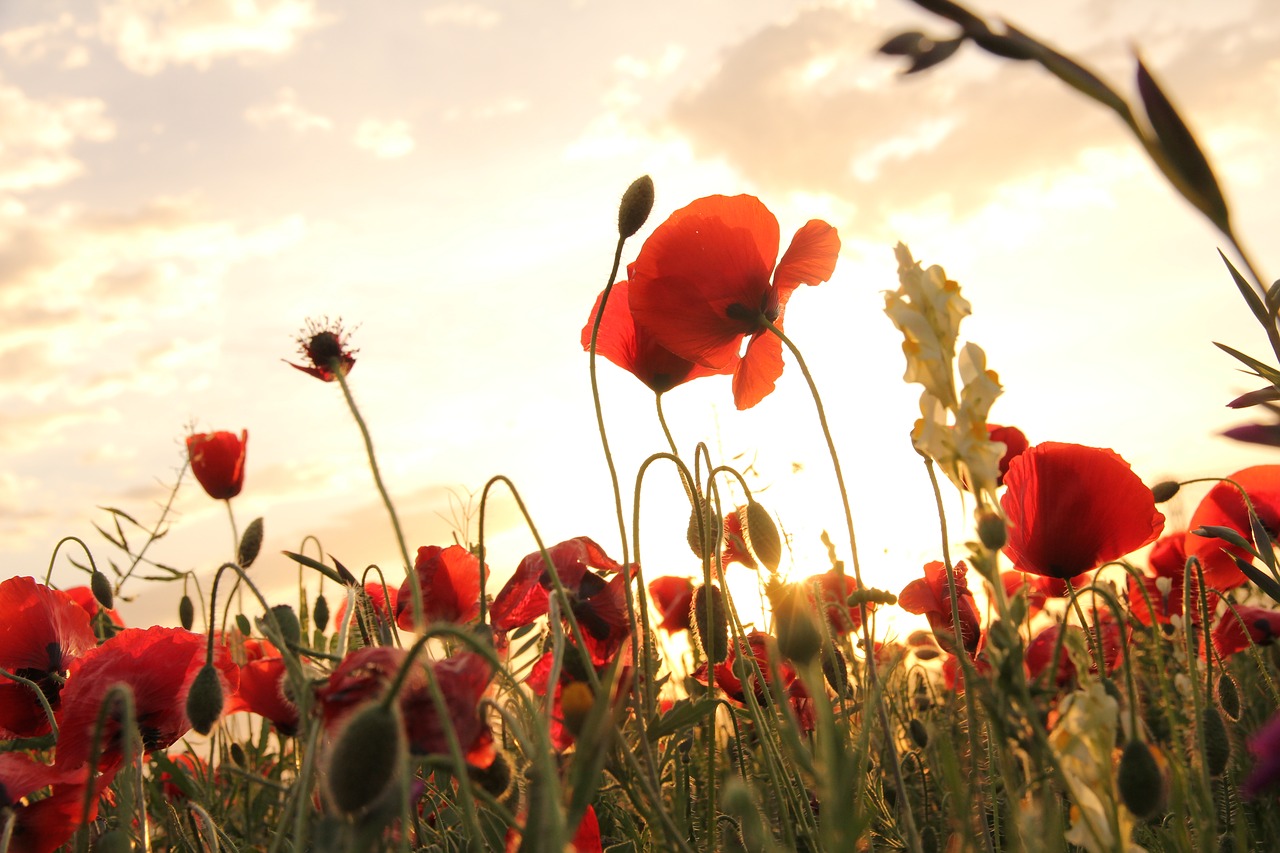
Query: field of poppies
[1093,678]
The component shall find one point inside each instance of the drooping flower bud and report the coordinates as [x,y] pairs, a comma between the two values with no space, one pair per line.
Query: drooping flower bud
[799,636]
[762,535]
[919,732]
[186,612]
[1165,490]
[1140,781]
[1217,742]
[710,622]
[250,544]
[365,758]
[290,627]
[992,532]
[236,751]
[321,613]
[101,588]
[1228,696]
[636,204]
[204,699]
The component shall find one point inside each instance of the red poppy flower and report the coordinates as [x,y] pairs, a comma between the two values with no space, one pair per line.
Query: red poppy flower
[217,460]
[264,690]
[736,549]
[43,826]
[193,766]
[1039,652]
[599,604]
[450,581]
[1255,626]
[1072,508]
[585,840]
[674,597]
[41,632]
[379,606]
[463,679]
[322,343]
[953,672]
[83,596]
[1014,442]
[931,596]
[1163,586]
[842,617]
[572,671]
[700,286]
[1224,507]
[634,349]
[158,665]
[737,671]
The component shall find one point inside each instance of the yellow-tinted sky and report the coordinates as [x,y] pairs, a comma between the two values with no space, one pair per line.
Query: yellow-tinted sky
[182,184]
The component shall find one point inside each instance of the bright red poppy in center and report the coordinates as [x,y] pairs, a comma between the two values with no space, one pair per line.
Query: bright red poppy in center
[701,285]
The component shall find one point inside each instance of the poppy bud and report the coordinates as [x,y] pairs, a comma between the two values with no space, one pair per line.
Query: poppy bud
[237,755]
[113,841]
[636,204]
[1164,491]
[365,758]
[992,532]
[1140,781]
[799,637]
[250,544]
[710,621]
[186,612]
[290,627]
[101,588]
[699,541]
[321,614]
[762,535]
[1217,743]
[1228,696]
[576,699]
[929,840]
[835,671]
[919,733]
[204,699]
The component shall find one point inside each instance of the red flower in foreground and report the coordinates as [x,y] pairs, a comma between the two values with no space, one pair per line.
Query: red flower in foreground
[585,840]
[1162,584]
[674,597]
[1072,508]
[1040,651]
[1255,626]
[599,604]
[463,679]
[450,581]
[83,596]
[1014,441]
[738,672]
[931,596]
[42,826]
[264,690]
[634,349]
[158,665]
[572,671]
[736,549]
[700,286]
[1223,506]
[41,632]
[217,460]
[324,345]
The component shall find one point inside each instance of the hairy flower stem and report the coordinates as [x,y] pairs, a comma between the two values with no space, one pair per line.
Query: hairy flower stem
[419,613]
[913,837]
[966,665]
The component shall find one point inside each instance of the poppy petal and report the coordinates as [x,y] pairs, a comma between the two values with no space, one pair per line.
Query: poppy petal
[758,372]
[810,259]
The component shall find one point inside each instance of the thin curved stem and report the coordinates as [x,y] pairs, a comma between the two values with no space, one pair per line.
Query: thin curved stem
[595,399]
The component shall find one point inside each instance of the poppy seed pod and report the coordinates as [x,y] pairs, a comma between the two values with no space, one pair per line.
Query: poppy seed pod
[365,758]
[1217,742]
[636,204]
[321,613]
[1228,696]
[710,621]
[204,699]
[1139,779]
[992,532]
[762,535]
[290,627]
[250,544]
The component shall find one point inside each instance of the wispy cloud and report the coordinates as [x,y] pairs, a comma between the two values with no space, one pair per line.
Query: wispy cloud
[60,40]
[37,137]
[384,139]
[149,35]
[285,109]
[471,15]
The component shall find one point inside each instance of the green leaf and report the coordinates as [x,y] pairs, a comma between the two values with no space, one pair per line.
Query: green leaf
[683,714]
[1226,534]
[1262,541]
[331,574]
[1265,582]
[1070,72]
[1262,369]
[1184,156]
[1250,295]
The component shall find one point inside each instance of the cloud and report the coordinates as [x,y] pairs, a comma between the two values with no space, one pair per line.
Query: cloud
[808,106]
[149,35]
[37,137]
[285,109]
[59,39]
[384,139]
[472,15]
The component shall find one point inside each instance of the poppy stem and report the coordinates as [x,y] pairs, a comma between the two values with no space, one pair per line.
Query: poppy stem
[913,837]
[419,613]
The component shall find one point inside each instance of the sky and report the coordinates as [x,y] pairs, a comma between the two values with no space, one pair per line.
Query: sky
[184,184]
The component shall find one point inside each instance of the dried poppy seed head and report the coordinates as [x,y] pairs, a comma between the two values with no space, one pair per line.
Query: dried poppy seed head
[323,343]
